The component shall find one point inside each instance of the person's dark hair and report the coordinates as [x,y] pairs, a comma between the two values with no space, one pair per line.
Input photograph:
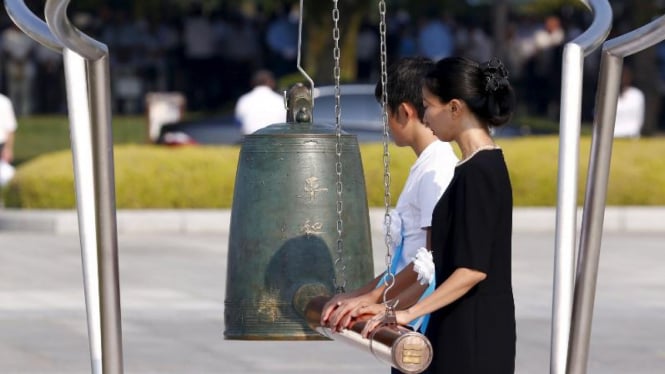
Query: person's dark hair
[263,77]
[404,83]
[483,87]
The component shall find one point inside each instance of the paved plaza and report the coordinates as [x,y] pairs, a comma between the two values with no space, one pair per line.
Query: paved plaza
[172,291]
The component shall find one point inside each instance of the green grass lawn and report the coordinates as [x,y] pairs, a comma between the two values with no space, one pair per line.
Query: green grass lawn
[37,135]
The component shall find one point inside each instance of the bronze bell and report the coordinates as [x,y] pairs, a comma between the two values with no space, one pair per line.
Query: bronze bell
[283,240]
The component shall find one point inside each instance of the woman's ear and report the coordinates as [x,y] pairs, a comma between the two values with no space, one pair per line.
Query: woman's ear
[455,107]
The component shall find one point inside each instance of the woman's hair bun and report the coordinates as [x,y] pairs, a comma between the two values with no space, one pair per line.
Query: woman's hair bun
[495,74]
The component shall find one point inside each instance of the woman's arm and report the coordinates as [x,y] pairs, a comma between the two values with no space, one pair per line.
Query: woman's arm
[458,284]
[337,313]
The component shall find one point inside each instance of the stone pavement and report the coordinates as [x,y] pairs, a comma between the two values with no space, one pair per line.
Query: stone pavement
[173,284]
[617,219]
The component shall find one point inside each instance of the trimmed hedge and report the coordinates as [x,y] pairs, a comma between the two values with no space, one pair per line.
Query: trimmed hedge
[145,177]
[203,177]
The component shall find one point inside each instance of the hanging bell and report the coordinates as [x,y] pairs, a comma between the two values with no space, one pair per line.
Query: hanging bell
[285,245]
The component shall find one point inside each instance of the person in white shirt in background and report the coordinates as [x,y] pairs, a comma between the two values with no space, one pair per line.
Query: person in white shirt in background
[7,130]
[261,106]
[19,68]
[630,108]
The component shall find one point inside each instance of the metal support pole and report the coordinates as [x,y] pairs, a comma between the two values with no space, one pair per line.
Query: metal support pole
[613,53]
[81,139]
[96,64]
[569,140]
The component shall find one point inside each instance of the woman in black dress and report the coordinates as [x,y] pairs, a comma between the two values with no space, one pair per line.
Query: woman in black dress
[472,325]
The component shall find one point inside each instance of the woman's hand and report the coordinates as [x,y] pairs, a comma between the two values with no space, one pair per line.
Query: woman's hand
[403,317]
[330,306]
[337,313]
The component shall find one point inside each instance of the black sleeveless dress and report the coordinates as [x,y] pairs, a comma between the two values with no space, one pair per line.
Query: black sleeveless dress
[472,228]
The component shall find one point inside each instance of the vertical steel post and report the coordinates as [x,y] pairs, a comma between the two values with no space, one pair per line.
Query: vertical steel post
[80,128]
[613,53]
[78,106]
[566,214]
[96,64]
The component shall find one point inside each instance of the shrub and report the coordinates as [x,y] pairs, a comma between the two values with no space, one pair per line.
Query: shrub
[145,177]
[203,177]
[637,170]
[401,159]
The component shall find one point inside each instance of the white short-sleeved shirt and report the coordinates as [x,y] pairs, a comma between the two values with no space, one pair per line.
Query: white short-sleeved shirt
[259,108]
[630,113]
[7,118]
[428,179]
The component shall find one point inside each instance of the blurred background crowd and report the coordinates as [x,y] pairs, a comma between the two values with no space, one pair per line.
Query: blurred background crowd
[209,53]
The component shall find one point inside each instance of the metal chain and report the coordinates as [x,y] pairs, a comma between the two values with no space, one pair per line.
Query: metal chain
[390,276]
[340,266]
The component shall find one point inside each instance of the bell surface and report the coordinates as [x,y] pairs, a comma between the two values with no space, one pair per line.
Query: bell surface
[284,229]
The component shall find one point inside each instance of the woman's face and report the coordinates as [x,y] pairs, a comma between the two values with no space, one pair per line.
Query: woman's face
[437,116]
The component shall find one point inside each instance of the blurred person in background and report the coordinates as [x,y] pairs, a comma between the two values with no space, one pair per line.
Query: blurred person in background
[474,42]
[199,53]
[50,98]
[239,53]
[261,106]
[435,36]
[367,48]
[543,67]
[281,39]
[630,108]
[20,69]
[7,130]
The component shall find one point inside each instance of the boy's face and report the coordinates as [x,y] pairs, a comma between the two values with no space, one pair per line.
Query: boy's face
[397,124]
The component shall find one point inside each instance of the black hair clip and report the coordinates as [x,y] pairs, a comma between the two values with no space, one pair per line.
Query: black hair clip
[495,73]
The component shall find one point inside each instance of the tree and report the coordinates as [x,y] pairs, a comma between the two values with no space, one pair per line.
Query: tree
[318,20]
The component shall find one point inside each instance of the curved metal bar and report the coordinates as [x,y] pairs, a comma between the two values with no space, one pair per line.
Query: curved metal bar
[32,25]
[569,139]
[302,71]
[55,12]
[600,27]
[611,65]
[637,40]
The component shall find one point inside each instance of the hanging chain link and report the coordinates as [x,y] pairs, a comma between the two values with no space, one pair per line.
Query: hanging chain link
[390,276]
[340,266]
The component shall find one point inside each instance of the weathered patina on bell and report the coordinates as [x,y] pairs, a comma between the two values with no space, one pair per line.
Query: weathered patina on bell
[283,240]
